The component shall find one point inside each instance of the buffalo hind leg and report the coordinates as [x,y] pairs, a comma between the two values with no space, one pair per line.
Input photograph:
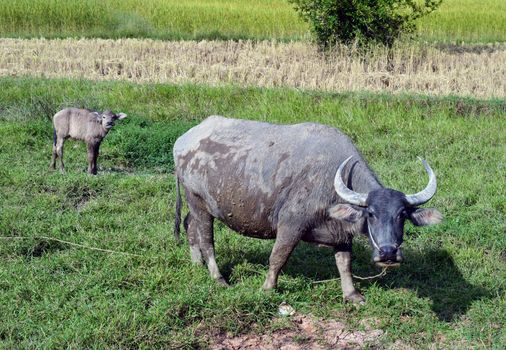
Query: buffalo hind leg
[343,262]
[206,241]
[53,158]
[59,152]
[191,231]
[203,222]
[286,240]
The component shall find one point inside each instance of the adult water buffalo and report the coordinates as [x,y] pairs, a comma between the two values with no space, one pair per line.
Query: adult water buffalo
[290,183]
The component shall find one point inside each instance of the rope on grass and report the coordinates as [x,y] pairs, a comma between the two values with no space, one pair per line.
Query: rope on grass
[73,244]
[381,274]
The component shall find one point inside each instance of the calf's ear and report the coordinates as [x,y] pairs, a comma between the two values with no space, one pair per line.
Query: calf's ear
[425,216]
[121,116]
[346,212]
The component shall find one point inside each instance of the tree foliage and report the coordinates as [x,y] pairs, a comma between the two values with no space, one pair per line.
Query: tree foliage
[362,21]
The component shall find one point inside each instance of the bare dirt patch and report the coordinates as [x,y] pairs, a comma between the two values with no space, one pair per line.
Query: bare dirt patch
[306,332]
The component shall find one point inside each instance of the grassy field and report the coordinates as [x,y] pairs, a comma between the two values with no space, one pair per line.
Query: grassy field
[456,21]
[450,292]
[466,21]
[210,19]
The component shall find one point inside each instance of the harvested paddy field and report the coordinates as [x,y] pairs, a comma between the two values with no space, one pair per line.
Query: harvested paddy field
[478,71]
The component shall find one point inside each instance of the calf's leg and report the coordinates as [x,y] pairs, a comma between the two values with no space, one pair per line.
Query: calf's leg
[53,158]
[59,152]
[343,262]
[92,158]
[95,159]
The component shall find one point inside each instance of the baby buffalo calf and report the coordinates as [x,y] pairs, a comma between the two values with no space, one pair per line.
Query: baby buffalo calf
[82,124]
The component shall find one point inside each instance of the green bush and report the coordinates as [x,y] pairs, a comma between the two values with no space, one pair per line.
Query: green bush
[362,21]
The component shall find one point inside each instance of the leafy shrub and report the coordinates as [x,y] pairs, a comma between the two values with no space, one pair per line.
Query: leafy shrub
[362,21]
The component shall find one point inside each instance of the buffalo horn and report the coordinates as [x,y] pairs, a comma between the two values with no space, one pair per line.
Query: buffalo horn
[344,192]
[428,192]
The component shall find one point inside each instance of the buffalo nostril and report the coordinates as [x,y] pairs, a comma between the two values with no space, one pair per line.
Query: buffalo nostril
[388,253]
[388,250]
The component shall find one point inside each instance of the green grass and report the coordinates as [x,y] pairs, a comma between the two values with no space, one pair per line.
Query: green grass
[450,291]
[466,21]
[151,18]
[477,21]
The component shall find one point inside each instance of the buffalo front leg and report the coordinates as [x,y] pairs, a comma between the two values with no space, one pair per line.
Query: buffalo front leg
[286,240]
[95,158]
[343,262]
[92,158]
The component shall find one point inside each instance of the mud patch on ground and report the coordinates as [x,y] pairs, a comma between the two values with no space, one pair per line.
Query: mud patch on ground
[307,332]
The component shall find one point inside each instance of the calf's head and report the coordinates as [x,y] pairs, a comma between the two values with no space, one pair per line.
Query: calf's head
[383,213]
[108,119]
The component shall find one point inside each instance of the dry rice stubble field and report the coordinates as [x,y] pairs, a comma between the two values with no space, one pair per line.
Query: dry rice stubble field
[475,71]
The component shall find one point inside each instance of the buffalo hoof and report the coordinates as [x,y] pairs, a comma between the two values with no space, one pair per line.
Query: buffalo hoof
[355,298]
[267,286]
[221,281]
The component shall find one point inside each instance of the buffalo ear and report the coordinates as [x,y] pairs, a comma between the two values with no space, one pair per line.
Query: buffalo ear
[121,116]
[425,216]
[346,212]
